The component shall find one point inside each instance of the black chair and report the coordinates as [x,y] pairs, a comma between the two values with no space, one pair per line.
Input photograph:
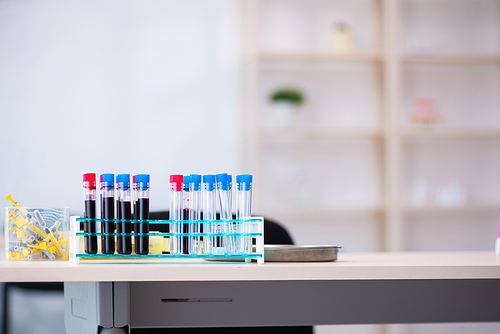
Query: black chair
[274,234]
[56,287]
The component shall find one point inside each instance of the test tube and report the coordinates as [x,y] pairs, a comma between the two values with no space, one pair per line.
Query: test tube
[229,179]
[225,211]
[233,227]
[134,206]
[244,210]
[208,211]
[134,197]
[194,213]
[142,214]
[175,213]
[124,213]
[89,226]
[108,213]
[185,215]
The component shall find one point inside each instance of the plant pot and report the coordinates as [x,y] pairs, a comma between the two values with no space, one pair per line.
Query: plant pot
[283,113]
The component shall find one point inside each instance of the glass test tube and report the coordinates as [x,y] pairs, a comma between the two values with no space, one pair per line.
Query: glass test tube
[229,180]
[89,211]
[175,213]
[185,215]
[124,213]
[208,211]
[108,213]
[134,206]
[195,213]
[233,226]
[142,213]
[244,210]
[134,197]
[225,211]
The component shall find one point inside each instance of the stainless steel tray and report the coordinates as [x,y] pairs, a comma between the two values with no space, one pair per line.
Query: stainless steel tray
[306,253]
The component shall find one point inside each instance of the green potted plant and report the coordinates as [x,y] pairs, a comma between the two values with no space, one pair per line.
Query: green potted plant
[285,103]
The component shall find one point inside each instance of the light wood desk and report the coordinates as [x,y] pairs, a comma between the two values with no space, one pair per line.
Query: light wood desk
[361,288]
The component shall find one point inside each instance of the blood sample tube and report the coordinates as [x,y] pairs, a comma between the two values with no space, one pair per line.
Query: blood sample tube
[142,214]
[134,197]
[89,226]
[175,213]
[194,213]
[185,215]
[108,213]
[124,213]
[208,211]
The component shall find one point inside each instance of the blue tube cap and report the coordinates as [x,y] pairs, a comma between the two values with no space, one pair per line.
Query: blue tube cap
[245,182]
[185,182]
[123,181]
[209,182]
[142,181]
[222,183]
[107,180]
[195,182]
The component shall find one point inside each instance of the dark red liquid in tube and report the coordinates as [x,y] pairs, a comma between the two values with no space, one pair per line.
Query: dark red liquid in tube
[142,212]
[90,227]
[124,242]
[108,227]
[185,229]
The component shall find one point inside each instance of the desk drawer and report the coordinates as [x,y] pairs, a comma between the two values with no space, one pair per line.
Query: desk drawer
[298,303]
[207,304]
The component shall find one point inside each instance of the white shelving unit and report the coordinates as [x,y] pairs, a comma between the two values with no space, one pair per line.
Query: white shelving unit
[353,157]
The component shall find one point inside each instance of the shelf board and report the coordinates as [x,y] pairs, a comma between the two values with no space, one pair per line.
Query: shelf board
[456,133]
[321,210]
[318,132]
[333,211]
[412,210]
[318,57]
[452,59]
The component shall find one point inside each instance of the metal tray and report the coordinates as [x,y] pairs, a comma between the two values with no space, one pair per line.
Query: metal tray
[306,253]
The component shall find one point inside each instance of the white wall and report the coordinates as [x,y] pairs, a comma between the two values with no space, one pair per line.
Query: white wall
[115,86]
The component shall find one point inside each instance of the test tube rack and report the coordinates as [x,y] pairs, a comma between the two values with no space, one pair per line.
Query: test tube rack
[249,230]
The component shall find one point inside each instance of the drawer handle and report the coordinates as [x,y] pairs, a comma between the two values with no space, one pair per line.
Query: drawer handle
[197,300]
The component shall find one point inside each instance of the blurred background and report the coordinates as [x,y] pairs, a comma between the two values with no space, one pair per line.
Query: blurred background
[373,124]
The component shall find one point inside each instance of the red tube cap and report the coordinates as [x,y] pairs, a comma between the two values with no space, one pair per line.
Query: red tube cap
[176,182]
[89,180]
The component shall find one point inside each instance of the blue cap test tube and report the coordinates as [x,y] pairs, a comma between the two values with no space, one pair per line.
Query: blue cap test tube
[175,213]
[234,227]
[108,213]
[208,211]
[195,213]
[223,190]
[244,210]
[124,214]
[142,214]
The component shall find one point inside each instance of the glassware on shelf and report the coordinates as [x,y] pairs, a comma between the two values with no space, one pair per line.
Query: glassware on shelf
[452,194]
[420,193]
[342,40]
[426,114]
